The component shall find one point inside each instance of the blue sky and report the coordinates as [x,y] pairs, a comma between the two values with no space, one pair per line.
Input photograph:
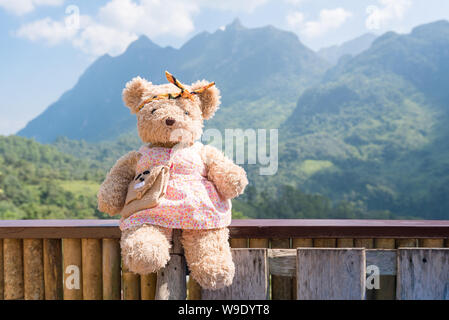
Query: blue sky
[47,44]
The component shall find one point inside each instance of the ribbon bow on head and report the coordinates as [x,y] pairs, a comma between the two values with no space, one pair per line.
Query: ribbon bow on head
[183,94]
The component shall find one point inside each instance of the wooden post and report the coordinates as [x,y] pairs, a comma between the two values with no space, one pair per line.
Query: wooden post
[148,286]
[92,269]
[250,280]
[423,274]
[33,269]
[281,287]
[329,274]
[13,269]
[2,282]
[131,284]
[53,269]
[72,264]
[111,269]
[171,280]
[387,290]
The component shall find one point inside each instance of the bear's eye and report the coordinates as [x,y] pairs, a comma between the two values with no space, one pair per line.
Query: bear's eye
[186,113]
[152,111]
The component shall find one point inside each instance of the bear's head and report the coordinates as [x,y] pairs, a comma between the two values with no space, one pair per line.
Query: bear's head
[165,116]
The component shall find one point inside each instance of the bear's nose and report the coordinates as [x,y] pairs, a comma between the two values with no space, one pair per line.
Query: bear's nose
[170,122]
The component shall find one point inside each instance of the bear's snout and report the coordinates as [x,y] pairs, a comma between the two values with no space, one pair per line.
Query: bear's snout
[170,122]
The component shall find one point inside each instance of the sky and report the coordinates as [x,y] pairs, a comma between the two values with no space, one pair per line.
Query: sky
[45,45]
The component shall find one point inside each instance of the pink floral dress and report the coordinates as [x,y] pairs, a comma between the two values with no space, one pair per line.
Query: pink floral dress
[191,201]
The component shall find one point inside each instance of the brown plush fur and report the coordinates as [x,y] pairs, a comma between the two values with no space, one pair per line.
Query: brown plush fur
[209,257]
[145,249]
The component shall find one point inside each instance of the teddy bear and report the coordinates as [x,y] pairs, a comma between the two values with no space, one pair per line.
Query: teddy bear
[202,181]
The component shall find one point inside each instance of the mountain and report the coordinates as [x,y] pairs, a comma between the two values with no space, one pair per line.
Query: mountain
[352,47]
[375,130]
[259,71]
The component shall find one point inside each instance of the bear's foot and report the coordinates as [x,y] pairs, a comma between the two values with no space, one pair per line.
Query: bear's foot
[209,257]
[145,249]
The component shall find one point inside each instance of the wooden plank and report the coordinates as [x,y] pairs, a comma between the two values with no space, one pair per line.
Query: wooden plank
[259,243]
[423,274]
[171,280]
[364,243]
[111,269]
[431,243]
[282,262]
[405,243]
[302,243]
[330,274]
[131,285]
[299,243]
[240,228]
[345,243]
[53,269]
[148,286]
[72,266]
[387,290]
[324,243]
[92,269]
[281,287]
[2,280]
[13,269]
[385,260]
[250,280]
[239,243]
[33,269]
[193,290]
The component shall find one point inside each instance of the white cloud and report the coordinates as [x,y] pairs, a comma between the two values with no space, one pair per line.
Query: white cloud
[50,31]
[391,10]
[295,19]
[21,7]
[116,25]
[328,19]
[232,5]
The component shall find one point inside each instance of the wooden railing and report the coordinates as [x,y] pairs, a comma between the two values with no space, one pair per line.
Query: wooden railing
[80,259]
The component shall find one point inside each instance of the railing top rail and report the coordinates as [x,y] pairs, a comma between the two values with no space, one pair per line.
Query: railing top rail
[247,228]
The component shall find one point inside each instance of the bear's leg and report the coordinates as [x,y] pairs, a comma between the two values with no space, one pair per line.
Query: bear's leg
[209,257]
[145,249]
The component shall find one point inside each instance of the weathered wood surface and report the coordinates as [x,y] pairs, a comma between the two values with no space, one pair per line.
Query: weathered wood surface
[92,269]
[423,274]
[239,243]
[13,269]
[111,269]
[330,274]
[53,269]
[324,243]
[282,262]
[72,267]
[400,243]
[345,243]
[385,260]
[33,269]
[148,286]
[2,282]
[387,290]
[250,280]
[431,243]
[171,280]
[131,285]
[281,286]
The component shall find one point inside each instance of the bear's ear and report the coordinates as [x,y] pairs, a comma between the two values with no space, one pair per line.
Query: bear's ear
[209,98]
[134,91]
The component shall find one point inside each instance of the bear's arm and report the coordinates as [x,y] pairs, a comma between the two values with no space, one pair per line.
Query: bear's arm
[112,194]
[229,179]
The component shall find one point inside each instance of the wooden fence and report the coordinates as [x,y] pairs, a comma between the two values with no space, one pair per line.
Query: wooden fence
[275,259]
